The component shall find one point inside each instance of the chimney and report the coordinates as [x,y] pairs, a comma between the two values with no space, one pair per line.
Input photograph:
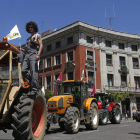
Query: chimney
[46,33]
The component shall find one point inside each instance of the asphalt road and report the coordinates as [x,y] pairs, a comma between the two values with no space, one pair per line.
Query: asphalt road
[126,130]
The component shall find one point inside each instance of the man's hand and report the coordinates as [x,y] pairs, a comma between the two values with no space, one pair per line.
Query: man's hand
[37,58]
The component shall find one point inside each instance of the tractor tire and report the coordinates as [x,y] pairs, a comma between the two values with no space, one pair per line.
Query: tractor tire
[48,127]
[116,115]
[29,118]
[103,117]
[72,120]
[62,125]
[137,117]
[94,117]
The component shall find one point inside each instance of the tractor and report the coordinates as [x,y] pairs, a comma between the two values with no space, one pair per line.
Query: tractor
[25,114]
[137,116]
[108,109]
[70,109]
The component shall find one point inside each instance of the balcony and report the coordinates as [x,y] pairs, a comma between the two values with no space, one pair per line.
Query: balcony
[69,66]
[90,65]
[121,88]
[123,70]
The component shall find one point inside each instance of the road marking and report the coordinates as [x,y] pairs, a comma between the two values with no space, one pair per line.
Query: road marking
[124,125]
[92,131]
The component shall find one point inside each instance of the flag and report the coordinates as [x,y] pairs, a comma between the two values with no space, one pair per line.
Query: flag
[58,80]
[43,90]
[93,91]
[14,33]
[82,75]
[130,82]
[136,85]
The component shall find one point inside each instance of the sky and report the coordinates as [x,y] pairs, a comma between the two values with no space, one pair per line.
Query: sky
[59,13]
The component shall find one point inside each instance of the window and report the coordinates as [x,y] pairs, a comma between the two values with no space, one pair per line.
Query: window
[48,82]
[57,60]
[123,81]
[49,47]
[108,59]
[135,63]
[110,79]
[90,79]
[89,40]
[58,44]
[122,61]
[137,82]
[108,43]
[89,55]
[70,40]
[48,64]
[70,76]
[121,46]
[134,47]
[41,64]
[70,56]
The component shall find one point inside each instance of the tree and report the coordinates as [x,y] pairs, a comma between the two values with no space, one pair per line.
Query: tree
[119,96]
[48,94]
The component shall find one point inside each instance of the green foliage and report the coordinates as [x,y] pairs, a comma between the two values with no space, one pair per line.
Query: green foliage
[48,94]
[119,96]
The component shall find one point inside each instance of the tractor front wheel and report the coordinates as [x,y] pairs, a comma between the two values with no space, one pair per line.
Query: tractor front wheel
[94,117]
[29,118]
[72,120]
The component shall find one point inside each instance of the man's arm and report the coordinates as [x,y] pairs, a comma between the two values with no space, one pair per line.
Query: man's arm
[40,47]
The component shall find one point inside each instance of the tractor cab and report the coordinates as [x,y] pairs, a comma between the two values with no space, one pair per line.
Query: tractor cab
[78,89]
[103,99]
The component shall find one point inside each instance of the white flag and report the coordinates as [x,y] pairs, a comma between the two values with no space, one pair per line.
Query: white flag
[82,75]
[14,33]
[43,90]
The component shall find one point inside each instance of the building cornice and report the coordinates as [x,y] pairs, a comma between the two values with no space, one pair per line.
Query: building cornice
[93,30]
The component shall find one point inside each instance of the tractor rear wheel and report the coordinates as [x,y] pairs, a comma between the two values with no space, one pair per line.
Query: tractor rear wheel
[72,120]
[29,118]
[94,117]
[103,116]
[116,115]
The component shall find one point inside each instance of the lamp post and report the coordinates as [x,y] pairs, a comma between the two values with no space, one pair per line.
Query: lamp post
[94,65]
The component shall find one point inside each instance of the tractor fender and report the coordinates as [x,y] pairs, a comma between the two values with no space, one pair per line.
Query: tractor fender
[87,103]
[112,105]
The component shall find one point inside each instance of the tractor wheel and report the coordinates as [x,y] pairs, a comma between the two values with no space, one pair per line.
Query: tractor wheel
[103,117]
[116,115]
[62,125]
[29,118]
[72,120]
[48,126]
[94,117]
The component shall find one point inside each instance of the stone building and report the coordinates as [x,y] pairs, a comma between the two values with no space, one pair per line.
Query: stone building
[69,51]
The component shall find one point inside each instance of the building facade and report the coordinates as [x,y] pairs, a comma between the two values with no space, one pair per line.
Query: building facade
[69,51]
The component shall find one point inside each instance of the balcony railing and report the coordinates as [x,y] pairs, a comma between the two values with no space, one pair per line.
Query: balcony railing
[121,88]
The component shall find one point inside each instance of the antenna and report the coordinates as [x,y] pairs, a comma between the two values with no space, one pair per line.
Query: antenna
[42,26]
[110,18]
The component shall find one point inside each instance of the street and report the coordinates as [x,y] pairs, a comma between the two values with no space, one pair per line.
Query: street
[126,130]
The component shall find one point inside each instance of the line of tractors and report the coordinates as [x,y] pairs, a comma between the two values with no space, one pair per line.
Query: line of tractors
[29,116]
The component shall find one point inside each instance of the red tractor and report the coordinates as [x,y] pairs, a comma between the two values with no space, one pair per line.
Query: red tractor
[108,109]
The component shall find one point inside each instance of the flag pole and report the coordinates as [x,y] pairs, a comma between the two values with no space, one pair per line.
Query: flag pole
[20,45]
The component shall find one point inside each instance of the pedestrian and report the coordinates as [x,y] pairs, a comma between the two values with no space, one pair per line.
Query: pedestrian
[133,116]
[34,48]
[126,116]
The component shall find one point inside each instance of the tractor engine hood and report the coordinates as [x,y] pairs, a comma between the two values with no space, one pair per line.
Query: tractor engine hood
[59,102]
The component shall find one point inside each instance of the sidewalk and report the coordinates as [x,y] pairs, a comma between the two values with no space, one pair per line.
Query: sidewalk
[129,119]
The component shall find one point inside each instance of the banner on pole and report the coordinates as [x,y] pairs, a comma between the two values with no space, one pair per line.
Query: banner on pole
[14,33]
